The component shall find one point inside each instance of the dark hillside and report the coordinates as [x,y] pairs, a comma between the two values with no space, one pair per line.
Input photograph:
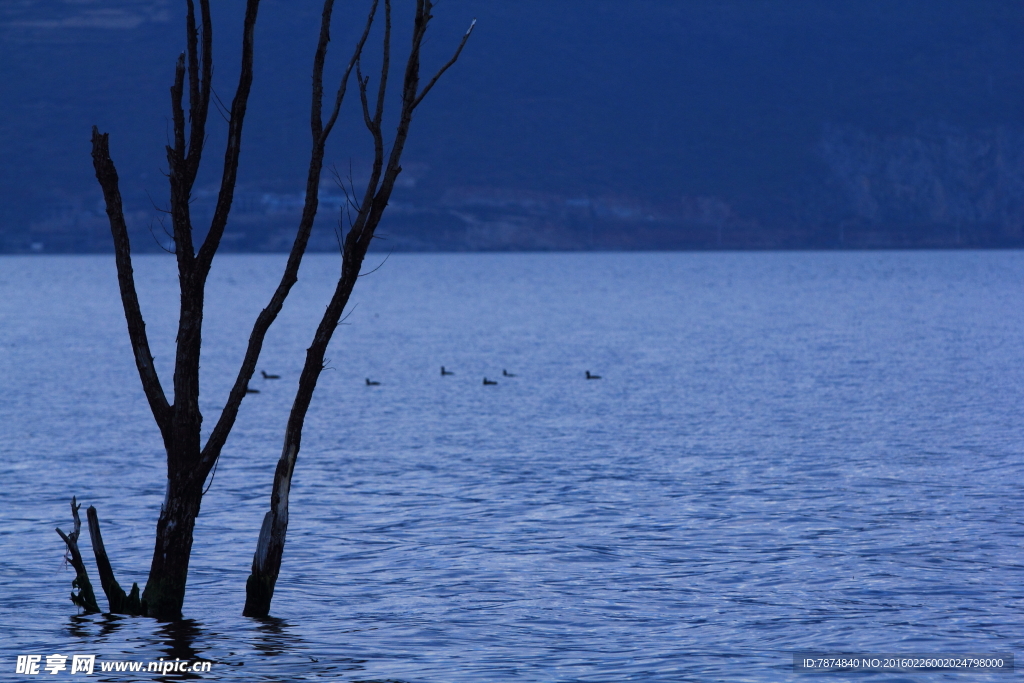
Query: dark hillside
[569,124]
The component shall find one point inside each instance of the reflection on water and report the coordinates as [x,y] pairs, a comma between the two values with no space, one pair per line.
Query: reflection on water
[786,452]
[176,640]
[78,627]
[93,626]
[275,637]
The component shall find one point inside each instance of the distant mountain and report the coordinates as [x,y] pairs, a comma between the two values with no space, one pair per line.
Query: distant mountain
[567,124]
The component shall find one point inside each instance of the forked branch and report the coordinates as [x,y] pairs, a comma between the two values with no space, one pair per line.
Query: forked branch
[234,144]
[85,598]
[218,437]
[343,87]
[270,547]
[200,73]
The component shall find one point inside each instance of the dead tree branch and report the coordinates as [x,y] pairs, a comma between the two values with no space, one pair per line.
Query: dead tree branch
[448,64]
[266,563]
[107,176]
[117,600]
[85,598]
[320,132]
[234,144]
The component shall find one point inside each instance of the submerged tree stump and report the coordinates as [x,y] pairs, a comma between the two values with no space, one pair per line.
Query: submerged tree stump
[117,600]
[85,598]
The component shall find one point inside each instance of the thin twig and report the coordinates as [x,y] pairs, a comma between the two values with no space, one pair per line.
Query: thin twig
[379,266]
[455,57]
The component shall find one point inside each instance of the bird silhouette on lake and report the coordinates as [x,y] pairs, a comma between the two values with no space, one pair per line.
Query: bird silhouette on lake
[589,376]
[488,382]
[506,373]
[266,376]
[371,383]
[446,372]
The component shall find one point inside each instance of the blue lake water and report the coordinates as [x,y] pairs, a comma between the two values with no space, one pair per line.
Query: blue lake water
[786,452]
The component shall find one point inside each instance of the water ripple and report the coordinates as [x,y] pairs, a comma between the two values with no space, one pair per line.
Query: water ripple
[787,452]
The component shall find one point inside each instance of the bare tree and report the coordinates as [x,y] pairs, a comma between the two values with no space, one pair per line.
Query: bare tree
[189,462]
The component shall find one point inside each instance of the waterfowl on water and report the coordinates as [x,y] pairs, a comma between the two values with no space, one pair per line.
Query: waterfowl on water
[589,376]
[506,373]
[487,381]
[371,383]
[446,372]
[266,376]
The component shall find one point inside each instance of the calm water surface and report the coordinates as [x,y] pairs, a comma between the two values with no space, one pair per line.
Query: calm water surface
[787,452]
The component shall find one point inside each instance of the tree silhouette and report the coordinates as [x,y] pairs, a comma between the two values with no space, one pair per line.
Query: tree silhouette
[189,461]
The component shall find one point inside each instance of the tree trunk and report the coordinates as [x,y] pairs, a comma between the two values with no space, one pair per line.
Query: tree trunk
[168,573]
[266,562]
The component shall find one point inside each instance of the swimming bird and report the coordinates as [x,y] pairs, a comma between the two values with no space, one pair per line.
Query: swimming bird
[371,383]
[249,390]
[446,372]
[589,376]
[506,373]
[266,376]
[487,381]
